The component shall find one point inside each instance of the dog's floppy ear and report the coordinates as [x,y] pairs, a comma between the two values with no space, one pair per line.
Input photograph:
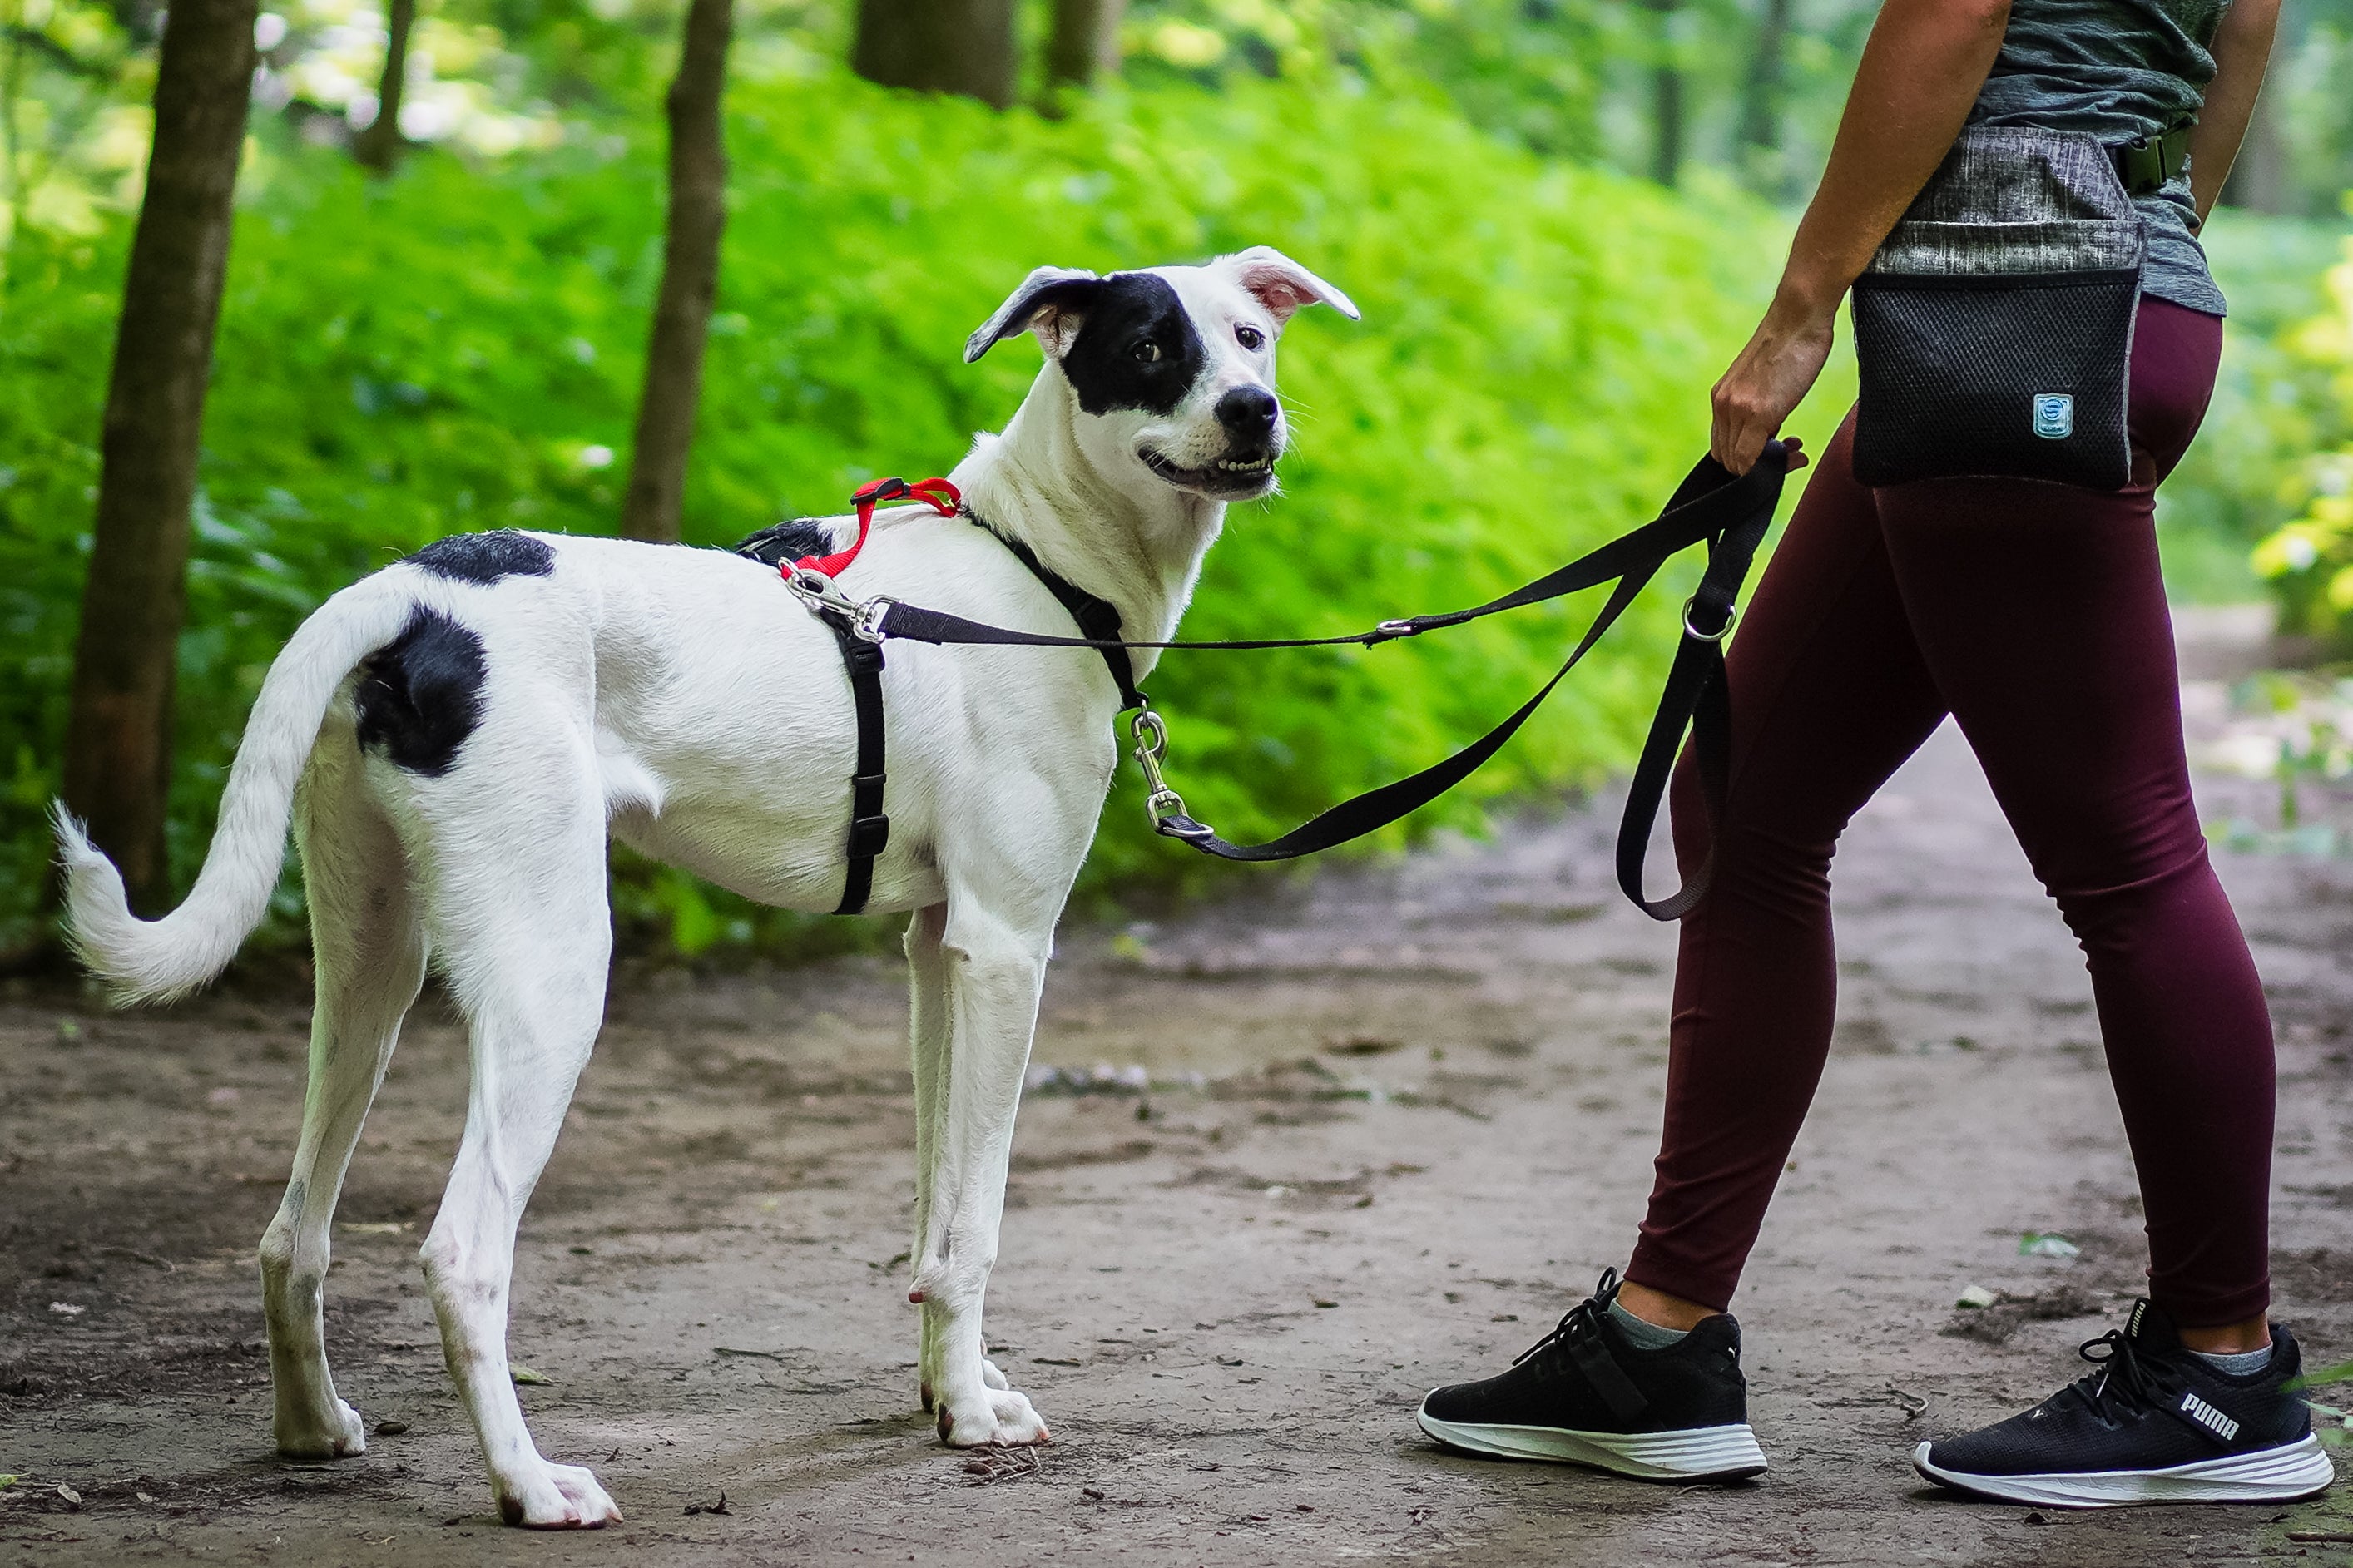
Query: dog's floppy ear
[1047,303]
[1280,284]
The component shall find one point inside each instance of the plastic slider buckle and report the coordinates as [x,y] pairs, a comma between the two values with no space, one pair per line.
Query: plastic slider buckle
[868,836]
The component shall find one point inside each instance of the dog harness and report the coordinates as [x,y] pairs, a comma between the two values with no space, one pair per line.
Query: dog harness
[811,579]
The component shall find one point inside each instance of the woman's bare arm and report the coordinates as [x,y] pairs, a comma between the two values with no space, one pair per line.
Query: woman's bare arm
[1921,72]
[2242,47]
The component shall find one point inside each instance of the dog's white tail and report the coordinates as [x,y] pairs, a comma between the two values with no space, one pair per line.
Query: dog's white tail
[155,961]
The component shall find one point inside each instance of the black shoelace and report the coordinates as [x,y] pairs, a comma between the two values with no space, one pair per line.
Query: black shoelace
[2129,1381]
[1581,1323]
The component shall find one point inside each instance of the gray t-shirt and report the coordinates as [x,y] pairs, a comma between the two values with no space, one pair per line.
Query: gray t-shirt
[2118,70]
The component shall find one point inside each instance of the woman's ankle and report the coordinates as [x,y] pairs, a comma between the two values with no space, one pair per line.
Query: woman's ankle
[1659,1308]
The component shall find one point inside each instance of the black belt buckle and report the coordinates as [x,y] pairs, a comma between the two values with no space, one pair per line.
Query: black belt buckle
[868,836]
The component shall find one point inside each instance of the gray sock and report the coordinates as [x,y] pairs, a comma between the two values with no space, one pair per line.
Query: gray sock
[1645,1336]
[2238,1365]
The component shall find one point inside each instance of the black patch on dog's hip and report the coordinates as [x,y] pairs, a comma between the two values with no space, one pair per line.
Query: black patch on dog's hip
[420,695]
[486,557]
[1125,311]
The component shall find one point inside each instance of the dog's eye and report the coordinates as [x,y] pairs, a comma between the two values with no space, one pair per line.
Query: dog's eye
[1147,350]
[1250,338]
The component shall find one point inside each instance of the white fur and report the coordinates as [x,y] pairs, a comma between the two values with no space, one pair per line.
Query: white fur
[684,702]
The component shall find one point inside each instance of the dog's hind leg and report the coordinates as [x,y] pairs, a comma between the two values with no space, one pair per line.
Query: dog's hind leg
[522,921]
[929,1026]
[367,941]
[994,973]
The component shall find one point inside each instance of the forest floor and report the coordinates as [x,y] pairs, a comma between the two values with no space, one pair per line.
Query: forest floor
[1398,1119]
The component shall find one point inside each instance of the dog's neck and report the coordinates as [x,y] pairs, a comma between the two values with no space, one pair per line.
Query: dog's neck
[1136,543]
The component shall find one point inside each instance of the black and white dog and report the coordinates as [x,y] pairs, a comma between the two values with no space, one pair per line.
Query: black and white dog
[455,736]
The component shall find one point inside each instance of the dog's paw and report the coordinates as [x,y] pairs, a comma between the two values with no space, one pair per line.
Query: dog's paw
[1000,1417]
[991,1376]
[556,1497]
[341,1436]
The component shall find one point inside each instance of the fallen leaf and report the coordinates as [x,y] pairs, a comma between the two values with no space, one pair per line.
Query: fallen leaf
[524,1374]
[70,1495]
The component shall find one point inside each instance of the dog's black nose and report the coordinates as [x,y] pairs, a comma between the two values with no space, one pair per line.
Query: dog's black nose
[1248,412]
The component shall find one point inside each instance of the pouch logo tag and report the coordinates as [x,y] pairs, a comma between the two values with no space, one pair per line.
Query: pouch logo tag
[2054,415]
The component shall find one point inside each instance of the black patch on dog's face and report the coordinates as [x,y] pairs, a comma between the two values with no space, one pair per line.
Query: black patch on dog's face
[420,695]
[486,557]
[1131,318]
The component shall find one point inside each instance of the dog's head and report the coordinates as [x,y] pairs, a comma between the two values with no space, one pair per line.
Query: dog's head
[1173,367]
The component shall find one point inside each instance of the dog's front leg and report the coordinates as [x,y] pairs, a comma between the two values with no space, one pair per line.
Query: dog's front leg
[993,973]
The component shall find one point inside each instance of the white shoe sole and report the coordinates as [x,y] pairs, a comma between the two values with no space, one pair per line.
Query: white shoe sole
[1697,1453]
[2284,1474]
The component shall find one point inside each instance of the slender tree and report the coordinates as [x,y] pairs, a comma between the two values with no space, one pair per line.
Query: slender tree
[1667,96]
[1085,42]
[698,213]
[118,761]
[380,145]
[939,46]
[1761,97]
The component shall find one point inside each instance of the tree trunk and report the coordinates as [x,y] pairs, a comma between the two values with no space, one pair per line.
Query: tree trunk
[698,213]
[1085,42]
[1667,97]
[1760,100]
[379,146]
[939,46]
[118,764]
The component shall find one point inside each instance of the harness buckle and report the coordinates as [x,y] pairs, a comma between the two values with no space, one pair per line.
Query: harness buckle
[1731,619]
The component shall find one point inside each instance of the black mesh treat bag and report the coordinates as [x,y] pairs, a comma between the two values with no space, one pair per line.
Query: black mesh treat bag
[1994,327]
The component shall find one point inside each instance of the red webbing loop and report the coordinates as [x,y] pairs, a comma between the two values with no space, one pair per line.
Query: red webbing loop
[938,494]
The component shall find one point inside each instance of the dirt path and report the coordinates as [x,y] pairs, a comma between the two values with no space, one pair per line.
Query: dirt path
[1399,1121]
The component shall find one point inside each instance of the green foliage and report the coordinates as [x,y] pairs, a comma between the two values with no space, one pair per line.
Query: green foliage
[2249,470]
[459,348]
[2308,562]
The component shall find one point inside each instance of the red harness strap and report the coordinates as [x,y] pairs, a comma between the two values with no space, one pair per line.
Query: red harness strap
[938,494]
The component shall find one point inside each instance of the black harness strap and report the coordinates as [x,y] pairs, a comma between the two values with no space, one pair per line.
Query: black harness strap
[861,660]
[870,830]
[1098,619]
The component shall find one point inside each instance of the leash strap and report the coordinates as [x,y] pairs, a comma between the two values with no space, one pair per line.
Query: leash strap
[1728,513]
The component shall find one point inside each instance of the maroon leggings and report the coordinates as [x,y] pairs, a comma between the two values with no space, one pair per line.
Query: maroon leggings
[2034,614]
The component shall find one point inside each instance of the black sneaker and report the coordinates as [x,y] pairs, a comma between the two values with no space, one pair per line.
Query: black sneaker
[1584,1395]
[2155,1424]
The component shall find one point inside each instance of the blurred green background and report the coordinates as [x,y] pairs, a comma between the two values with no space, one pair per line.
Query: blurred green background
[1560,217]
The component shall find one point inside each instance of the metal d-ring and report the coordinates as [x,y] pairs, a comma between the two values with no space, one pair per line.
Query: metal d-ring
[1731,618]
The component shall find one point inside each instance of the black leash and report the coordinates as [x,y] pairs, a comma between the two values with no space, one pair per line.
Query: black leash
[1727,513]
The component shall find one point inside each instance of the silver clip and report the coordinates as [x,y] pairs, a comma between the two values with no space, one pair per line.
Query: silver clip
[867,622]
[1731,619]
[814,588]
[1150,737]
[1397,628]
